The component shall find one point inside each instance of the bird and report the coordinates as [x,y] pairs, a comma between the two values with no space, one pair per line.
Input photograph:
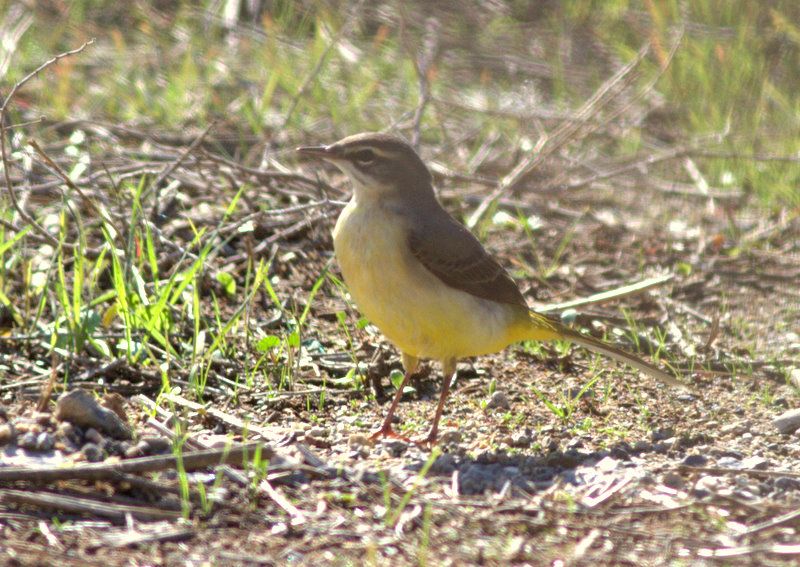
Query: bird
[422,278]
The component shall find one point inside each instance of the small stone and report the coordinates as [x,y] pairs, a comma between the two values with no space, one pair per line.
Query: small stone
[694,460]
[45,441]
[674,481]
[520,440]
[81,408]
[318,432]
[395,447]
[28,441]
[642,446]
[68,431]
[358,440]
[7,434]
[156,445]
[788,422]
[317,442]
[607,464]
[728,462]
[787,483]
[794,377]
[450,437]
[93,436]
[134,451]
[92,452]
[28,427]
[756,463]
[498,401]
[444,464]
[42,418]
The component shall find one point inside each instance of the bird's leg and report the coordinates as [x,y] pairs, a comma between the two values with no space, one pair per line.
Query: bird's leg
[449,371]
[410,364]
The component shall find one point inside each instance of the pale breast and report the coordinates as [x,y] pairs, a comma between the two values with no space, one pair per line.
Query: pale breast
[420,314]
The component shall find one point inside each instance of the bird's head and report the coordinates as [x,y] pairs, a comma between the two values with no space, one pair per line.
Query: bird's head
[379,165]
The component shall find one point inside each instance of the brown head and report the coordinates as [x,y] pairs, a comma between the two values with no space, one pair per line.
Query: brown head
[379,165]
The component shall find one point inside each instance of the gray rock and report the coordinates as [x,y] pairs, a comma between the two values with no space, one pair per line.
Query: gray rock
[521,440]
[674,480]
[787,483]
[757,463]
[92,452]
[695,460]
[28,441]
[450,437]
[80,408]
[788,422]
[45,441]
[93,436]
[498,401]
[395,447]
[7,434]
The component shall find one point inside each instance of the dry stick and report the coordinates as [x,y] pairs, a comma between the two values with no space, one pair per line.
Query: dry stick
[237,454]
[318,67]
[156,185]
[564,133]
[771,523]
[63,175]
[430,48]
[623,291]
[73,504]
[3,151]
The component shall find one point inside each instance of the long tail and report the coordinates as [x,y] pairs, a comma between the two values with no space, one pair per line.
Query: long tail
[542,322]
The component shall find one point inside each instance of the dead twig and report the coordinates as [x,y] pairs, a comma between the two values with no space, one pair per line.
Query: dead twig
[158,181]
[237,454]
[610,295]
[73,504]
[4,152]
[422,66]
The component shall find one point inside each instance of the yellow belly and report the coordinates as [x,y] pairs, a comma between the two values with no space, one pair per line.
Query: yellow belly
[416,311]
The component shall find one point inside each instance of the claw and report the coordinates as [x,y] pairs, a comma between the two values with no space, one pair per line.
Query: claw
[386,432]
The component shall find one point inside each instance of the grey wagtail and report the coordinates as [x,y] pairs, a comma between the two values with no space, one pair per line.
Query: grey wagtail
[421,277]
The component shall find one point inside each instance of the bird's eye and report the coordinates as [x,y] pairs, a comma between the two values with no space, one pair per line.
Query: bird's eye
[364,157]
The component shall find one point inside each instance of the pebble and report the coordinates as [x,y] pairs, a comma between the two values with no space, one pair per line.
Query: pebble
[498,400]
[755,462]
[520,440]
[450,437]
[674,480]
[92,452]
[729,463]
[7,434]
[28,440]
[395,447]
[81,408]
[788,422]
[45,441]
[695,461]
[358,440]
[794,377]
[787,483]
[67,431]
[444,464]
[156,445]
[93,436]
[317,432]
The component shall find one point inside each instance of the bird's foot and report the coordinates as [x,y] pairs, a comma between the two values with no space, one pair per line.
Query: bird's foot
[386,432]
[428,442]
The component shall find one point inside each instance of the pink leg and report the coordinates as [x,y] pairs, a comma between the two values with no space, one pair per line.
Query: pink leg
[410,364]
[449,371]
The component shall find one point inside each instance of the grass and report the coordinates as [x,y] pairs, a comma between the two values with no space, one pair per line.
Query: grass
[160,290]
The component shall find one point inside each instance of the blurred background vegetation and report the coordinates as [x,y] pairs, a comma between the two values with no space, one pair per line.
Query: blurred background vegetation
[275,72]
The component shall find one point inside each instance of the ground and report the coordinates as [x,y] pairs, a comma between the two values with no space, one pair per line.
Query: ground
[191,289]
